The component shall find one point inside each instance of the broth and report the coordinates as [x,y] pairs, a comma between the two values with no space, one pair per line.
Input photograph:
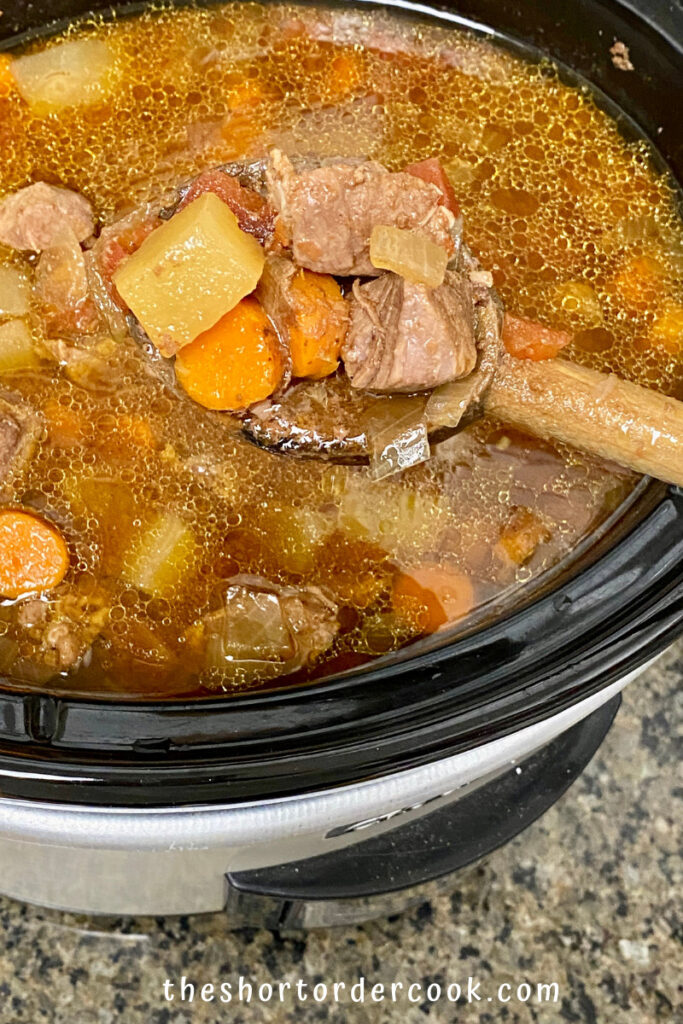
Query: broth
[577,227]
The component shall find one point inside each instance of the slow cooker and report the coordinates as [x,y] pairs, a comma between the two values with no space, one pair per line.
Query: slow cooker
[323,804]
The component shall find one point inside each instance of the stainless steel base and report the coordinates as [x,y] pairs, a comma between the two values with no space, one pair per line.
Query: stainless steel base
[175,860]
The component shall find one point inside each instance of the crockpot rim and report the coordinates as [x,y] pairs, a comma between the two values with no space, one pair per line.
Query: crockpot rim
[35,760]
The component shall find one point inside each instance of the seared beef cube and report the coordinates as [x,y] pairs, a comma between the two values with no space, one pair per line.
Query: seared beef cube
[408,337]
[328,213]
[35,216]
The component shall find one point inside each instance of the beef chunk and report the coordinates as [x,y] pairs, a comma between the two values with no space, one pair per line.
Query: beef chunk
[19,430]
[408,337]
[65,628]
[34,216]
[32,612]
[459,400]
[274,291]
[121,239]
[265,629]
[328,213]
[63,639]
[62,289]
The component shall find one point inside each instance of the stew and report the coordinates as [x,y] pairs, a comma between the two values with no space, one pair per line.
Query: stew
[266,277]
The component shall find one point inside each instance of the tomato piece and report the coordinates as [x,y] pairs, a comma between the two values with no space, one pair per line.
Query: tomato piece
[432,171]
[122,239]
[432,596]
[527,339]
[254,214]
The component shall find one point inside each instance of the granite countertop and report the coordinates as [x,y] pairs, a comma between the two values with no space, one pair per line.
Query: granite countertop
[588,897]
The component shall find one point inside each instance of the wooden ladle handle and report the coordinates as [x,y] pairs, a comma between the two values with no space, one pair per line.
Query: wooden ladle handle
[595,412]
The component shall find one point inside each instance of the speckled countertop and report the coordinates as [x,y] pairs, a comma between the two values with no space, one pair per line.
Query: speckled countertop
[588,897]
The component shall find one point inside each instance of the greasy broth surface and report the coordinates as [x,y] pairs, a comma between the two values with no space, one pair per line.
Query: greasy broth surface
[556,204]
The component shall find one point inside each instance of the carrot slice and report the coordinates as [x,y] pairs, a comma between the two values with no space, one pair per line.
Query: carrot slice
[431,596]
[527,339]
[433,173]
[320,321]
[667,330]
[521,535]
[6,76]
[235,363]
[639,282]
[33,554]
[345,74]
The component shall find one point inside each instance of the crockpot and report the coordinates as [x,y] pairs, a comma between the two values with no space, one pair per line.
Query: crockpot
[312,805]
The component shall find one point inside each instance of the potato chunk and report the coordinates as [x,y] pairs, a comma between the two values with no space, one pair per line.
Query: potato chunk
[15,292]
[79,72]
[160,556]
[17,347]
[189,273]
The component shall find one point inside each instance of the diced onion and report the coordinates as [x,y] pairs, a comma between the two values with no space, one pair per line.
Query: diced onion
[578,300]
[447,404]
[408,253]
[15,292]
[630,231]
[250,629]
[102,298]
[397,436]
[79,72]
